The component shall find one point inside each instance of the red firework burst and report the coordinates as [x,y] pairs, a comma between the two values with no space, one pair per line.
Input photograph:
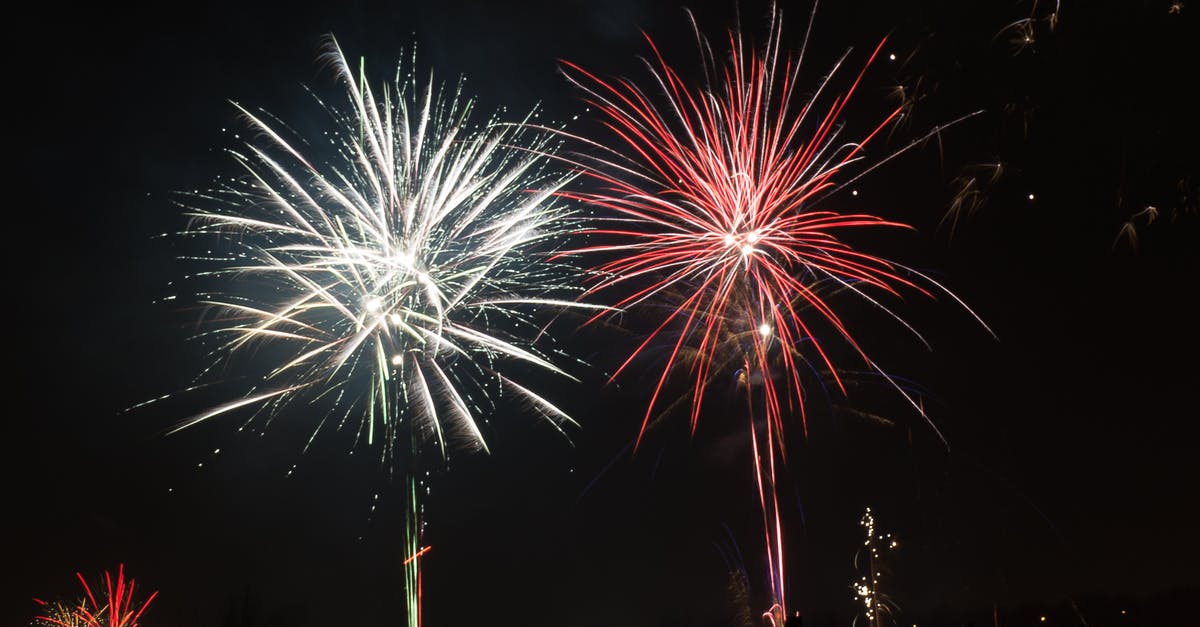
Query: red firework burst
[712,188]
[117,611]
[713,192]
[712,197]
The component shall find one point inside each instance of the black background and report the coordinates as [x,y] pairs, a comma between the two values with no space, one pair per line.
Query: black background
[1067,488]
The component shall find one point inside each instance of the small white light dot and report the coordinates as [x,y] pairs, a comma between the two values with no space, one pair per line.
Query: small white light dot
[892,57]
[374,304]
[397,360]
[729,239]
[764,329]
[1031,196]
[854,192]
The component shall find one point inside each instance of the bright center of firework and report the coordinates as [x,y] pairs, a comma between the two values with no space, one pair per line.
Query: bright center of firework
[749,236]
[394,318]
[764,329]
[743,242]
[374,305]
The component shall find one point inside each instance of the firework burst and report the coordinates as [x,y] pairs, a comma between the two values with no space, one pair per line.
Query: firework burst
[391,272]
[118,609]
[717,193]
[716,189]
[393,264]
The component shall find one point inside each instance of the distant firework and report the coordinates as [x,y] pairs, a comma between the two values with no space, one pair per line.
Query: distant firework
[116,608]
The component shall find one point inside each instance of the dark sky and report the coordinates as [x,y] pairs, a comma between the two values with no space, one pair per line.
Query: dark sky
[1068,482]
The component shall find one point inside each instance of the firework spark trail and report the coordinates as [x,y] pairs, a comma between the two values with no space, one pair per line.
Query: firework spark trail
[117,611]
[412,569]
[712,192]
[393,265]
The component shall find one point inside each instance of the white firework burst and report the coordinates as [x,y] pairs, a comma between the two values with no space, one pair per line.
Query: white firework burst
[395,267]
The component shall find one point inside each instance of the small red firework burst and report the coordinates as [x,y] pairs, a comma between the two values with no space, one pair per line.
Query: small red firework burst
[116,611]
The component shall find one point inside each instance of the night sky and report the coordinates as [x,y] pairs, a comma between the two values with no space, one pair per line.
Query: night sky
[1067,489]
